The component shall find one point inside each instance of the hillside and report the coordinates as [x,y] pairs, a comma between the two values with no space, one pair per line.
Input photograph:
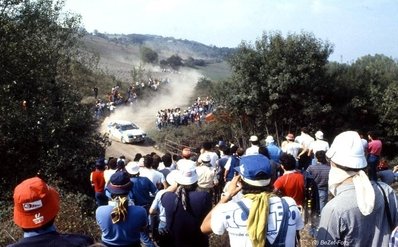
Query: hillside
[118,54]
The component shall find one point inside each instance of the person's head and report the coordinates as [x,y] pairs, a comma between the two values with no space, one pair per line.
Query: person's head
[35,204]
[186,153]
[383,165]
[148,160]
[254,140]
[346,152]
[288,162]
[156,159]
[204,159]
[240,151]
[166,159]
[372,135]
[176,157]
[234,148]
[226,150]
[321,157]
[290,137]
[269,140]
[255,172]
[112,164]
[304,130]
[264,151]
[137,157]
[100,164]
[120,164]
[133,169]
[319,135]
[119,184]
[207,146]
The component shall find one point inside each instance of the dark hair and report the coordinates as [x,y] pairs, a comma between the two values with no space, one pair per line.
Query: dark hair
[240,151]
[148,160]
[137,157]
[264,151]
[226,150]
[288,161]
[176,157]
[112,163]
[321,157]
[373,135]
[206,146]
[234,148]
[250,189]
[304,130]
[255,142]
[155,161]
[166,158]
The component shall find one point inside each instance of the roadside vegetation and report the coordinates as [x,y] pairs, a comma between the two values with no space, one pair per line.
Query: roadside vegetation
[276,85]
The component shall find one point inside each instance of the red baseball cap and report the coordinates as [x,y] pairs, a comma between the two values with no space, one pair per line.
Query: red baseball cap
[35,203]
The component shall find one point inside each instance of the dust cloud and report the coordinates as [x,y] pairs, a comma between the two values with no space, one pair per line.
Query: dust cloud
[143,112]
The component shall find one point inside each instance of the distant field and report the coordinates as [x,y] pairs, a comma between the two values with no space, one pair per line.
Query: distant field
[216,71]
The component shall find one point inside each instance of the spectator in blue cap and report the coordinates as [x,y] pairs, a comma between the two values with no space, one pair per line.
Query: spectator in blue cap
[120,221]
[259,218]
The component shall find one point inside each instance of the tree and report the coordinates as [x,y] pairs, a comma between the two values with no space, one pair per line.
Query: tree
[148,55]
[43,125]
[277,83]
[175,62]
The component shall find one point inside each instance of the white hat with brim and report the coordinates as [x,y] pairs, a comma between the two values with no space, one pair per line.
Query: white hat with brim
[132,168]
[253,138]
[171,177]
[347,150]
[187,176]
[319,135]
[269,139]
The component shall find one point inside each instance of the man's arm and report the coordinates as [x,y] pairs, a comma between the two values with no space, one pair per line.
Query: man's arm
[232,190]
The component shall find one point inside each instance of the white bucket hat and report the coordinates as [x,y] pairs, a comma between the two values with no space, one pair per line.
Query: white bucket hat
[171,177]
[319,135]
[269,139]
[347,150]
[187,175]
[132,168]
[253,138]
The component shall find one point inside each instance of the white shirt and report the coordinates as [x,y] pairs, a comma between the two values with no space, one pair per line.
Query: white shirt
[155,176]
[319,145]
[206,176]
[228,217]
[252,150]
[304,139]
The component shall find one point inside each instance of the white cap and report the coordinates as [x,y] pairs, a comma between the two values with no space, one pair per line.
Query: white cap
[253,138]
[319,135]
[269,139]
[204,158]
[347,150]
[132,168]
[187,175]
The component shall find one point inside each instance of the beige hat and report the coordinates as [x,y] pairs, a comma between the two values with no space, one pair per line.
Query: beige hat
[319,135]
[253,138]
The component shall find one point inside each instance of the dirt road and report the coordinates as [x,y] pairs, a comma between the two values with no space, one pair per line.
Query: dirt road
[181,87]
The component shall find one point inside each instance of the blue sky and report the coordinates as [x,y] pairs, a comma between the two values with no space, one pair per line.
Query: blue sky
[355,27]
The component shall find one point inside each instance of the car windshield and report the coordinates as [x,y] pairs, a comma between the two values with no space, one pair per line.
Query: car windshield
[128,127]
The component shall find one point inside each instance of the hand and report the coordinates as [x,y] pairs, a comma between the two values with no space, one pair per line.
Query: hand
[234,186]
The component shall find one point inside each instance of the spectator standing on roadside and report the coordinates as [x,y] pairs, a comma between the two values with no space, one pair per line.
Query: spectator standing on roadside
[36,206]
[232,163]
[273,150]
[185,210]
[291,183]
[318,145]
[374,152]
[289,146]
[143,192]
[207,149]
[305,156]
[110,170]
[254,145]
[121,222]
[320,173]
[156,177]
[206,174]
[166,161]
[259,218]
[358,213]
[186,160]
[98,182]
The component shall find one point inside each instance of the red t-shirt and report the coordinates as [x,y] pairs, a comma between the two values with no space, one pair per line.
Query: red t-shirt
[292,185]
[97,179]
[374,147]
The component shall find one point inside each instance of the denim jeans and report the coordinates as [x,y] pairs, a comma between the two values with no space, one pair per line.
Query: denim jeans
[373,161]
[323,197]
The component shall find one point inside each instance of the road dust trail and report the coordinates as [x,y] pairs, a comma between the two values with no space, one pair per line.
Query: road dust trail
[179,93]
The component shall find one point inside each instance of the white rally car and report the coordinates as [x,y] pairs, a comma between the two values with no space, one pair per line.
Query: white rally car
[126,132]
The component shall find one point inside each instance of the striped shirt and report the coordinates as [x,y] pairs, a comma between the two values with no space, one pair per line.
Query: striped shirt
[320,172]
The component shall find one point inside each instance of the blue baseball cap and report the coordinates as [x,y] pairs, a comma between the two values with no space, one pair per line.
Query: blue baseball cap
[119,183]
[255,169]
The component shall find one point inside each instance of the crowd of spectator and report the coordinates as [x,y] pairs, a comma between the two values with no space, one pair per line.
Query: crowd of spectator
[195,114]
[256,194]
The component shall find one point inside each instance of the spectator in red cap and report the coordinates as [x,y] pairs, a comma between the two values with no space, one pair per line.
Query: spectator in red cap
[36,206]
